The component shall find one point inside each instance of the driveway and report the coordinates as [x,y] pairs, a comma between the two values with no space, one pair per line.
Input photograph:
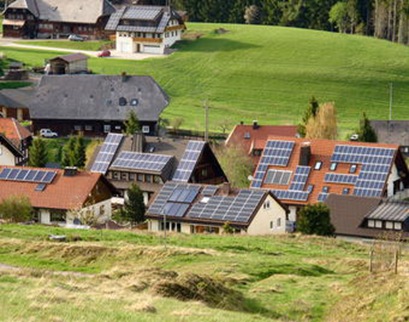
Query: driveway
[9,42]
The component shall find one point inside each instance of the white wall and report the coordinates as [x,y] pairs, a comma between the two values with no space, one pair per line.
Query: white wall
[292,216]
[392,177]
[44,216]
[6,157]
[124,44]
[275,214]
[102,211]
[77,66]
[169,40]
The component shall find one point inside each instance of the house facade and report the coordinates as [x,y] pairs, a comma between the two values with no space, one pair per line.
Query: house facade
[145,29]
[96,104]
[15,141]
[56,18]
[14,103]
[68,64]
[193,208]
[59,196]
[302,171]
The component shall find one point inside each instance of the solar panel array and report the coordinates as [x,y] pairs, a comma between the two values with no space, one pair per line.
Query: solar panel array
[233,209]
[376,163]
[141,161]
[275,153]
[114,19]
[27,175]
[107,152]
[341,178]
[163,22]
[300,178]
[141,13]
[210,191]
[275,176]
[322,197]
[188,162]
[291,194]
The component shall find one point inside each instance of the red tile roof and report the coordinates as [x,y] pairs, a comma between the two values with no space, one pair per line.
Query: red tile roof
[257,136]
[321,150]
[62,193]
[13,130]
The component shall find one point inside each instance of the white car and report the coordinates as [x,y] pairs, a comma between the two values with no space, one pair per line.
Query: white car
[74,37]
[47,133]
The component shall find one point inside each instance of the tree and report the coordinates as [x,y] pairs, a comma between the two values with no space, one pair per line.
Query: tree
[324,124]
[132,123]
[16,209]
[176,123]
[252,15]
[339,16]
[68,153]
[38,154]
[134,207]
[366,133]
[236,164]
[311,111]
[315,220]
[80,156]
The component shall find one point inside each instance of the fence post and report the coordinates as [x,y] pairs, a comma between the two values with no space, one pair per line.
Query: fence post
[396,261]
[370,260]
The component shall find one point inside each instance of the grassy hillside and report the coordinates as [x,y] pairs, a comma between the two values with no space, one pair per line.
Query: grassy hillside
[269,73]
[126,276]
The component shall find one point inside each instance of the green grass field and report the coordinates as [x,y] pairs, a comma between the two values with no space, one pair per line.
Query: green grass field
[269,74]
[80,45]
[132,276]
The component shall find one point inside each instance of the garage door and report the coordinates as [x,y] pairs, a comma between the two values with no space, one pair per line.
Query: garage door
[125,47]
[149,49]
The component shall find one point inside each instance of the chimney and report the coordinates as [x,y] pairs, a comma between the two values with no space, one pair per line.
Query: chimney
[255,125]
[124,77]
[305,154]
[241,122]
[225,189]
[70,171]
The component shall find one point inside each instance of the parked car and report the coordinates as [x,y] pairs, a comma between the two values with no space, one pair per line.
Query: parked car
[74,37]
[47,133]
[104,53]
[354,137]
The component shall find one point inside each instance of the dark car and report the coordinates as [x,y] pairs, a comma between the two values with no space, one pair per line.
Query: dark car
[104,53]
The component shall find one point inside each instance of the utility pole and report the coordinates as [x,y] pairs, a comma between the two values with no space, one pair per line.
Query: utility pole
[390,100]
[206,107]
[164,229]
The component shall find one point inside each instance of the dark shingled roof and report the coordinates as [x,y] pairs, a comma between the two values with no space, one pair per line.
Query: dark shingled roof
[98,97]
[391,211]
[16,98]
[71,57]
[394,132]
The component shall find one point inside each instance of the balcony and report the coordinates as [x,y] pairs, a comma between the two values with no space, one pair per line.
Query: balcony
[148,40]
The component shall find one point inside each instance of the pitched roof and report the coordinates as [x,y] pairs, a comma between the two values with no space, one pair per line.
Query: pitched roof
[145,19]
[394,132]
[289,173]
[207,204]
[97,97]
[64,192]
[391,210]
[74,11]
[71,57]
[13,130]
[251,137]
[16,98]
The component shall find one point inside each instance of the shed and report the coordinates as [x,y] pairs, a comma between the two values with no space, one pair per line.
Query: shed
[69,64]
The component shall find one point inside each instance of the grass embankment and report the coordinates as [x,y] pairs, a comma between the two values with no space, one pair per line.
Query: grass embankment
[127,276]
[66,44]
[269,73]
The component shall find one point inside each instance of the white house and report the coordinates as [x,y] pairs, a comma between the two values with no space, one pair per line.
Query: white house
[193,208]
[145,29]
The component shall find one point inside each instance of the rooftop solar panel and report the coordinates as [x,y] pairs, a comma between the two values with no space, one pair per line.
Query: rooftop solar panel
[27,175]
[188,161]
[107,152]
[141,161]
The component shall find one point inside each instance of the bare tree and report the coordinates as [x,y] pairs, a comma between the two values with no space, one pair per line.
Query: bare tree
[324,124]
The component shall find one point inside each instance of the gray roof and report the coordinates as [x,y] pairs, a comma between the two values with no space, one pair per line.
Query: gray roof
[157,17]
[16,98]
[394,132]
[77,11]
[71,57]
[98,97]
[391,211]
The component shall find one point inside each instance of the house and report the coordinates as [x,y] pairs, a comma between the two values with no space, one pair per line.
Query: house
[145,29]
[69,64]
[150,162]
[56,18]
[96,104]
[15,142]
[393,132]
[14,103]
[197,208]
[58,196]
[365,217]
[252,138]
[302,171]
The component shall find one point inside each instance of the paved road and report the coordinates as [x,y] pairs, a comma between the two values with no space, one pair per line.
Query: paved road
[9,42]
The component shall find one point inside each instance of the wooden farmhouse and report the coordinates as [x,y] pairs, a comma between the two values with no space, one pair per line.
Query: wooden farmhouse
[56,18]
[69,64]
[14,103]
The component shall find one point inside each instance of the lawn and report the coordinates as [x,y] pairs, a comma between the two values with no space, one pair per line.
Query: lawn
[80,45]
[269,73]
[133,276]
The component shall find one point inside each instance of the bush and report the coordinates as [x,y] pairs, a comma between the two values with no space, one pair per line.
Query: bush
[315,220]
[16,209]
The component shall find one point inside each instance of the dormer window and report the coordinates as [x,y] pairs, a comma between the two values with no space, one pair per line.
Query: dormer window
[345,191]
[247,135]
[318,165]
[352,168]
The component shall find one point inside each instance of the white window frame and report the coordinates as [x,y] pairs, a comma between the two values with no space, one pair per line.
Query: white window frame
[146,129]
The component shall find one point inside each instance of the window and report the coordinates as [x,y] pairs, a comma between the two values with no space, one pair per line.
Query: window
[88,127]
[116,175]
[378,224]
[134,102]
[122,101]
[132,177]
[247,135]
[102,210]
[267,204]
[389,225]
[157,179]
[278,222]
[124,176]
[279,177]
[333,166]
[352,168]
[149,178]
[310,188]
[77,128]
[371,223]
[146,129]
[325,189]
[257,152]
[271,225]
[107,128]
[140,177]
[397,226]
[345,191]
[318,165]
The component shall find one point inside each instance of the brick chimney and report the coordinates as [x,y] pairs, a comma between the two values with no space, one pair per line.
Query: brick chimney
[305,154]
[225,189]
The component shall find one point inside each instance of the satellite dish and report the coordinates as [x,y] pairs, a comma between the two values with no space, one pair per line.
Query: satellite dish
[250,178]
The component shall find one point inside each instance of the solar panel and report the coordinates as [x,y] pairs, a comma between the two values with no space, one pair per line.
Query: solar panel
[210,190]
[291,194]
[188,161]
[300,178]
[279,177]
[275,153]
[322,197]
[141,161]
[341,178]
[27,175]
[107,152]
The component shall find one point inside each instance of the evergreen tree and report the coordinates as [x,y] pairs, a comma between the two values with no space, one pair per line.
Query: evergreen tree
[68,153]
[132,123]
[79,152]
[134,207]
[311,111]
[315,220]
[366,133]
[38,154]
